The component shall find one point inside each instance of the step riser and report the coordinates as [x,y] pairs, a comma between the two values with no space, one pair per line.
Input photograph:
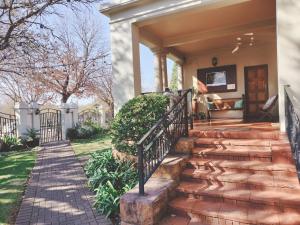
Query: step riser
[200,219]
[239,202]
[218,156]
[248,184]
[235,135]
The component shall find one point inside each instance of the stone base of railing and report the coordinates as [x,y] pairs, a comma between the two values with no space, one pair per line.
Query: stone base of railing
[148,209]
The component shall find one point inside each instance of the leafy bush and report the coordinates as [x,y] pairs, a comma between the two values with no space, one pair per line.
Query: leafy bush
[135,118]
[110,179]
[31,138]
[9,143]
[84,131]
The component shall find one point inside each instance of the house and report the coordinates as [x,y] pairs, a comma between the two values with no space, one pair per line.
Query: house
[235,47]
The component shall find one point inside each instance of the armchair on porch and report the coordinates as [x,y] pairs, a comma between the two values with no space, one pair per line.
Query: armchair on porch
[266,110]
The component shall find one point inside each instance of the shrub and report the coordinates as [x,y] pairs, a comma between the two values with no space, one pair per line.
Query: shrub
[110,179]
[135,118]
[84,131]
[31,138]
[10,143]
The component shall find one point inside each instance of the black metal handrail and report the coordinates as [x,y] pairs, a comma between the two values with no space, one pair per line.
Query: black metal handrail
[8,124]
[292,114]
[162,137]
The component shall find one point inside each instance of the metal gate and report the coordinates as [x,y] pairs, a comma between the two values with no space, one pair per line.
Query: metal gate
[50,126]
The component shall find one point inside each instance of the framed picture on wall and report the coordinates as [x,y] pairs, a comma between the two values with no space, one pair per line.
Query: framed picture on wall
[219,79]
[216,79]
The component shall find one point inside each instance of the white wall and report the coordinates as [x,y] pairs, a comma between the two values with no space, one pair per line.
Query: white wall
[288,45]
[248,56]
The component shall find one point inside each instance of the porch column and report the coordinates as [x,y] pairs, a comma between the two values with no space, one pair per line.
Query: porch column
[164,69]
[125,62]
[180,76]
[158,80]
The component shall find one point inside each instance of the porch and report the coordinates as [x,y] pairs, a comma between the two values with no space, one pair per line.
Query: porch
[204,41]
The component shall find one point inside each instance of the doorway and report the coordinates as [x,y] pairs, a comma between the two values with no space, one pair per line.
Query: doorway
[256,90]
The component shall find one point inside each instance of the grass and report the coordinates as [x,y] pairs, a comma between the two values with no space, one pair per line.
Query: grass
[84,147]
[14,170]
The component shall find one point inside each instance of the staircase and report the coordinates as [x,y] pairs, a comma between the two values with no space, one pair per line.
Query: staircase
[237,173]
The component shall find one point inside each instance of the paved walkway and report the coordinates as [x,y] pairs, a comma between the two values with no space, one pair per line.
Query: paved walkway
[57,192]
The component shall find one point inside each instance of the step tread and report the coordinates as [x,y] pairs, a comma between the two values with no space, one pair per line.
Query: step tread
[246,165]
[233,150]
[235,133]
[233,142]
[174,220]
[256,214]
[269,195]
[258,178]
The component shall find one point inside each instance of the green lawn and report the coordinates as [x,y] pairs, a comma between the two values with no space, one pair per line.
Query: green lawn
[14,170]
[84,147]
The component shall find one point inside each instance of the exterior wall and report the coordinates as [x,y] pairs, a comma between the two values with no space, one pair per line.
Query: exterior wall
[288,45]
[249,56]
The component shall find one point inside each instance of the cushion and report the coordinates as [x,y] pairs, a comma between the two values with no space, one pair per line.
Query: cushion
[226,105]
[239,104]
[218,104]
[210,105]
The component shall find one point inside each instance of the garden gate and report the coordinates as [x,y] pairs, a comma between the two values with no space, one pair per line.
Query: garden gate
[92,115]
[50,126]
[8,124]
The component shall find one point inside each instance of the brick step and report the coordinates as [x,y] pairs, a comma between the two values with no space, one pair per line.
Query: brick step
[217,212]
[241,195]
[252,179]
[226,165]
[235,134]
[240,153]
[211,142]
[174,220]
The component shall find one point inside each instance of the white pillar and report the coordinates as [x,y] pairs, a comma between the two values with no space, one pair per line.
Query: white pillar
[35,116]
[158,80]
[22,111]
[164,69]
[180,76]
[125,62]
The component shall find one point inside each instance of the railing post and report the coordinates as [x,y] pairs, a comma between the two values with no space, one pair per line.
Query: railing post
[191,113]
[186,115]
[141,169]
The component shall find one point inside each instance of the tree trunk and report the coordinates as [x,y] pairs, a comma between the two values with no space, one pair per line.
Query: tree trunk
[65,98]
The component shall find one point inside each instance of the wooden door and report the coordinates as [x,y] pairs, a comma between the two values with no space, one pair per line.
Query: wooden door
[256,89]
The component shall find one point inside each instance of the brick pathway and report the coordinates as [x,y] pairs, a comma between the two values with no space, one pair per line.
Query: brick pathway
[57,192]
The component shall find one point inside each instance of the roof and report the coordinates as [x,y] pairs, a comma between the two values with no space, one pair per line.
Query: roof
[114,7]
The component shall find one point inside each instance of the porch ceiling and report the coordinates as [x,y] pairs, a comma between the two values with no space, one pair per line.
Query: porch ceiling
[196,31]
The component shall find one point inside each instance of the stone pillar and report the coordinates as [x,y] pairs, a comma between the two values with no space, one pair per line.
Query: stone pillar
[180,76]
[164,69]
[125,62]
[158,79]
[69,117]
[22,117]
[35,116]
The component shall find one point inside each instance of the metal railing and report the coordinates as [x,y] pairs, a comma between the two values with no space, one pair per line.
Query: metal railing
[162,137]
[8,125]
[292,114]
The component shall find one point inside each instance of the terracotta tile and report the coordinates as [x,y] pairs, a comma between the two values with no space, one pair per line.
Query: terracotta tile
[289,217]
[233,212]
[263,214]
[206,208]
[182,203]
[174,220]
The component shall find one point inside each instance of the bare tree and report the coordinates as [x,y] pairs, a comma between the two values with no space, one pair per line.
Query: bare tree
[76,61]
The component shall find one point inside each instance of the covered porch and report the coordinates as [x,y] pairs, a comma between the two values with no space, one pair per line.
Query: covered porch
[204,40]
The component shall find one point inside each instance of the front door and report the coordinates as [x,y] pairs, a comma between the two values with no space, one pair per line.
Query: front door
[256,89]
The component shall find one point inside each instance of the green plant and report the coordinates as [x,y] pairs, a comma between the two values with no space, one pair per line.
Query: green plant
[135,118]
[9,143]
[31,138]
[110,179]
[85,130]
